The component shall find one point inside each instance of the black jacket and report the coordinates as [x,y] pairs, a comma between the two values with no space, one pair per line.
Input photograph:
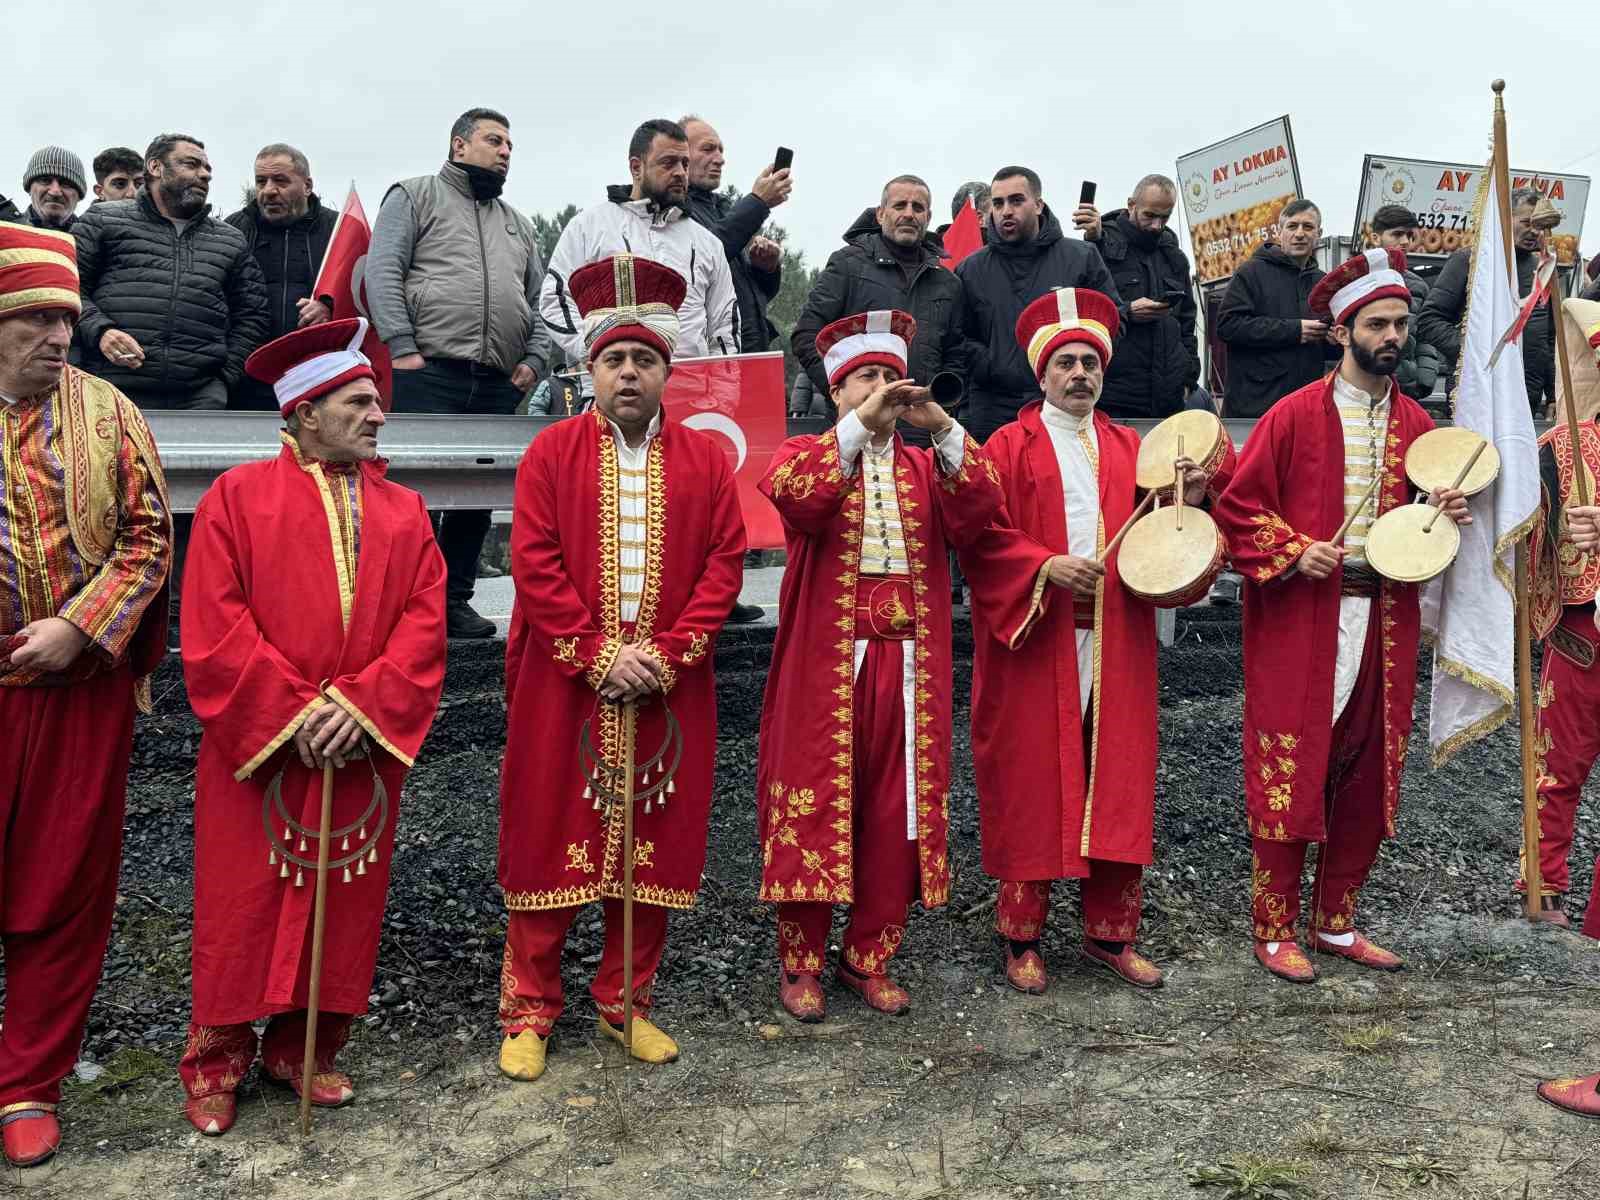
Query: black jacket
[195,302]
[864,277]
[1260,321]
[1001,280]
[289,257]
[735,223]
[1155,360]
[1439,322]
[1420,363]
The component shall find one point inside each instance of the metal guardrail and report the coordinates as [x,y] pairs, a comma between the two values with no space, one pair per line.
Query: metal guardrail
[455,462]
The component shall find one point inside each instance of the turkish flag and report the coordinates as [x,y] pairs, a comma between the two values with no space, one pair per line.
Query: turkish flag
[739,401]
[964,235]
[342,278]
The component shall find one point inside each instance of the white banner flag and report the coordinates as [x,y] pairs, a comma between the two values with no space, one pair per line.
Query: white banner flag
[1468,612]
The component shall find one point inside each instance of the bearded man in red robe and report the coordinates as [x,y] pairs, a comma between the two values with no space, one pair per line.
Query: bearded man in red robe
[854,772]
[312,633]
[1072,678]
[1330,646]
[627,550]
[85,545]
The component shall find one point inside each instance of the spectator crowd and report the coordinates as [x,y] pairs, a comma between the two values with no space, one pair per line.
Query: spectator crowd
[175,299]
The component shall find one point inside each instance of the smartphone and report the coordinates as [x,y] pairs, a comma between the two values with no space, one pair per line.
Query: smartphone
[1174,297]
[1086,192]
[783,159]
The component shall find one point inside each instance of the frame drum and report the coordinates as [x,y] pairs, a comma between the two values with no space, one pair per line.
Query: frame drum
[1168,566]
[1203,441]
[1398,549]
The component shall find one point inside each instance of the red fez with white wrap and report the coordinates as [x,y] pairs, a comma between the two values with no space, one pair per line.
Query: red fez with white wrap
[883,336]
[1352,285]
[311,362]
[1064,315]
[38,270]
[626,298]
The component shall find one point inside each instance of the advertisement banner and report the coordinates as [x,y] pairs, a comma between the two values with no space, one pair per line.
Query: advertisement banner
[1441,195]
[1232,194]
[738,401]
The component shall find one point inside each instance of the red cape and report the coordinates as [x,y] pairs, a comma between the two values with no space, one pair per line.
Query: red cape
[1288,493]
[1045,812]
[262,632]
[555,850]
[803,777]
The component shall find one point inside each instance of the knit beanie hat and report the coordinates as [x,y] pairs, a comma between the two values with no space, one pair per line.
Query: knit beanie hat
[57,161]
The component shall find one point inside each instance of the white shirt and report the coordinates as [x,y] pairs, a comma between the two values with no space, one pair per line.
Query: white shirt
[883,546]
[633,514]
[1077,448]
[1366,426]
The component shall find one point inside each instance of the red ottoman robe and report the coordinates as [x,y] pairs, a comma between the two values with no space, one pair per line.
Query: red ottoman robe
[271,628]
[803,780]
[556,851]
[1045,815]
[1289,492]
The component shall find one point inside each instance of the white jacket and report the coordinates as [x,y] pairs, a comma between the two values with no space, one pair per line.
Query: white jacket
[708,317]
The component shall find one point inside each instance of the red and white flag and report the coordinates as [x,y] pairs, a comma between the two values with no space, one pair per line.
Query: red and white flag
[739,399]
[964,235]
[1536,298]
[342,278]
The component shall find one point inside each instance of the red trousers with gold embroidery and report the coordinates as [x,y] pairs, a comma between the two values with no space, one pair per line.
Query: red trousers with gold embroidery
[884,860]
[1353,803]
[216,1057]
[1113,895]
[530,976]
[1567,728]
[63,780]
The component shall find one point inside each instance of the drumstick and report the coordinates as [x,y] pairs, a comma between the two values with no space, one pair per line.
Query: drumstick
[1111,546]
[1460,479]
[1338,538]
[1177,485]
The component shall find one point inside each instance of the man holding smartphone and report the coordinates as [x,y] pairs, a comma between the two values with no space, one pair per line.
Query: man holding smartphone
[1157,363]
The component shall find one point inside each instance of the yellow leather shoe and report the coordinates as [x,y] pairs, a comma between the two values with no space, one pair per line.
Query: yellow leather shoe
[649,1043]
[522,1055]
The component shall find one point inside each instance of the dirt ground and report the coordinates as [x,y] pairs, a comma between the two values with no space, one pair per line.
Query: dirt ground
[1361,1085]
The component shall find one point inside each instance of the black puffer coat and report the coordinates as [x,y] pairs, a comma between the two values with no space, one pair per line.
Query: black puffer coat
[196,301]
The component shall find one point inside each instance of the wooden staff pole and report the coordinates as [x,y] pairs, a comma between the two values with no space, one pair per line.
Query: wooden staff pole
[1530,792]
[319,918]
[629,726]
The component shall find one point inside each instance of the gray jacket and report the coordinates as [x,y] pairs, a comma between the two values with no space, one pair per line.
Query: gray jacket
[449,277]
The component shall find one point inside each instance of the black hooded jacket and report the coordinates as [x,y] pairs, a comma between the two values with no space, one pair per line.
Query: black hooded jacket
[289,257]
[1000,281]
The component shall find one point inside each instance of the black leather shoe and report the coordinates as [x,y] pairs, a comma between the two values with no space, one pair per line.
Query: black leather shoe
[462,621]
[745,614]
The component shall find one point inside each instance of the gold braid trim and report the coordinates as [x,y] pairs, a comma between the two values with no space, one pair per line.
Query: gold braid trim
[1484,725]
[365,722]
[27,1106]
[1035,608]
[271,748]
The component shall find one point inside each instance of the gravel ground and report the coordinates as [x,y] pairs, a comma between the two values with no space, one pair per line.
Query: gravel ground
[1440,896]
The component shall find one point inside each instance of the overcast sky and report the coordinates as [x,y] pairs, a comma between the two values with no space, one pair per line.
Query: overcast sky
[861,92]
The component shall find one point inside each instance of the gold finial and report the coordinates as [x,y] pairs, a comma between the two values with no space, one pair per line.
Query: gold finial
[1498,86]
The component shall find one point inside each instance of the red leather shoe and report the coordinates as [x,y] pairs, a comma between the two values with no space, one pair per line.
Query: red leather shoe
[1026,972]
[212,1115]
[1288,962]
[879,991]
[1552,911]
[1581,1097]
[801,996]
[329,1089]
[1130,966]
[1360,951]
[31,1136]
